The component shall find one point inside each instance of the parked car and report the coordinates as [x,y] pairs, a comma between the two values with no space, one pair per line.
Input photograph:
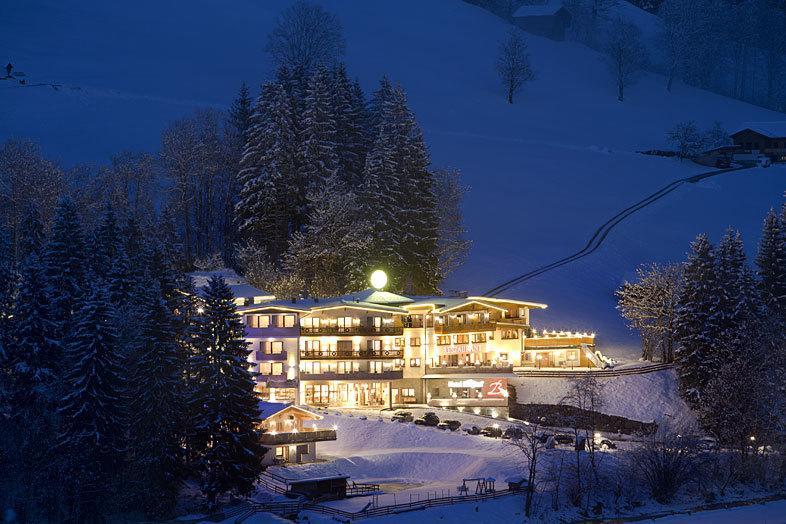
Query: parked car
[429,419]
[606,444]
[723,162]
[402,416]
[473,430]
[764,161]
[707,444]
[543,436]
[563,438]
[452,425]
[513,432]
[491,431]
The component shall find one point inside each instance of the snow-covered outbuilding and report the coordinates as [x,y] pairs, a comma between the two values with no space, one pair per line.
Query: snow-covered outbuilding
[244,293]
[550,19]
[291,433]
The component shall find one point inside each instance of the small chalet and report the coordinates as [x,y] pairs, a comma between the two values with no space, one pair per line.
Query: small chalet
[763,138]
[549,19]
[291,433]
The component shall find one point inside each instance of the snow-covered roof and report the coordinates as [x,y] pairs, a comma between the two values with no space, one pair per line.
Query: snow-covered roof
[548,8]
[268,409]
[444,304]
[357,304]
[375,296]
[239,285]
[768,129]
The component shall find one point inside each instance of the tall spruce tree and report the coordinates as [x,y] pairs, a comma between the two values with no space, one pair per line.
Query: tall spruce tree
[351,132]
[696,324]
[158,404]
[8,287]
[739,305]
[223,405]
[64,266]
[272,197]
[771,266]
[319,132]
[36,355]
[93,409]
[31,234]
[398,196]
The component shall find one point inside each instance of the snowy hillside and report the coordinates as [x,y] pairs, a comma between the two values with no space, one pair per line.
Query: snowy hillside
[544,172]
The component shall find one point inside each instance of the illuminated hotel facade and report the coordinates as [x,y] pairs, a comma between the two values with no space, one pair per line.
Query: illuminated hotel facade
[377,349]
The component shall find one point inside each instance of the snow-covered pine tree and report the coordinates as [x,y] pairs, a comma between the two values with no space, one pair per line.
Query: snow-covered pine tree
[379,101]
[331,253]
[31,234]
[771,266]
[238,127]
[157,407]
[380,197]
[93,409]
[272,198]
[64,266]
[739,305]
[9,280]
[239,119]
[35,355]
[319,132]
[398,197]
[351,134]
[104,244]
[420,218]
[696,326]
[223,405]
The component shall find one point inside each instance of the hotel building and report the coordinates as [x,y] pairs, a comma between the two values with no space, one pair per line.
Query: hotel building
[378,349]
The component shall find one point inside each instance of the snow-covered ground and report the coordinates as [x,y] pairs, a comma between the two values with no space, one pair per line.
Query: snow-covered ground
[649,397]
[544,172]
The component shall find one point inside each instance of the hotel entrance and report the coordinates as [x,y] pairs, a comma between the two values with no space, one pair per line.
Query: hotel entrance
[347,394]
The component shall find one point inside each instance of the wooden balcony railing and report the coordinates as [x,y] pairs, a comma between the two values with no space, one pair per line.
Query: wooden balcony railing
[301,437]
[352,330]
[354,375]
[350,353]
[467,327]
[469,368]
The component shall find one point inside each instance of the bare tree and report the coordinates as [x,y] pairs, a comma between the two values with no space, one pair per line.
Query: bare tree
[665,464]
[686,138]
[530,444]
[26,179]
[626,54]
[586,395]
[453,246]
[305,37]
[513,63]
[649,305]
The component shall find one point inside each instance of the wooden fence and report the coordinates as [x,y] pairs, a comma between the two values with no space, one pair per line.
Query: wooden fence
[295,507]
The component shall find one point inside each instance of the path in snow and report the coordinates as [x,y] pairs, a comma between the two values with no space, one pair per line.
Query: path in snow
[603,231]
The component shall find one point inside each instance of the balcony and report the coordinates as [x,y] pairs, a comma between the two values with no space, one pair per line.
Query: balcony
[355,375]
[350,354]
[261,356]
[352,330]
[301,437]
[455,370]
[466,327]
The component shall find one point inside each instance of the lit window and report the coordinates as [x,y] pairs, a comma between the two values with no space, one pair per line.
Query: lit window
[414,362]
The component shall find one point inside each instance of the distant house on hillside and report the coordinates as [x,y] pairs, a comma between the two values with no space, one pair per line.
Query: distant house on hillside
[549,19]
[762,138]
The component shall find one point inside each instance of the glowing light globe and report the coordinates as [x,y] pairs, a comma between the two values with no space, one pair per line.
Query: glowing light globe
[379,279]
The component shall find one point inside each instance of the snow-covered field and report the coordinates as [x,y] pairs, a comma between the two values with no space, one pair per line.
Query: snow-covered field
[649,397]
[544,172]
